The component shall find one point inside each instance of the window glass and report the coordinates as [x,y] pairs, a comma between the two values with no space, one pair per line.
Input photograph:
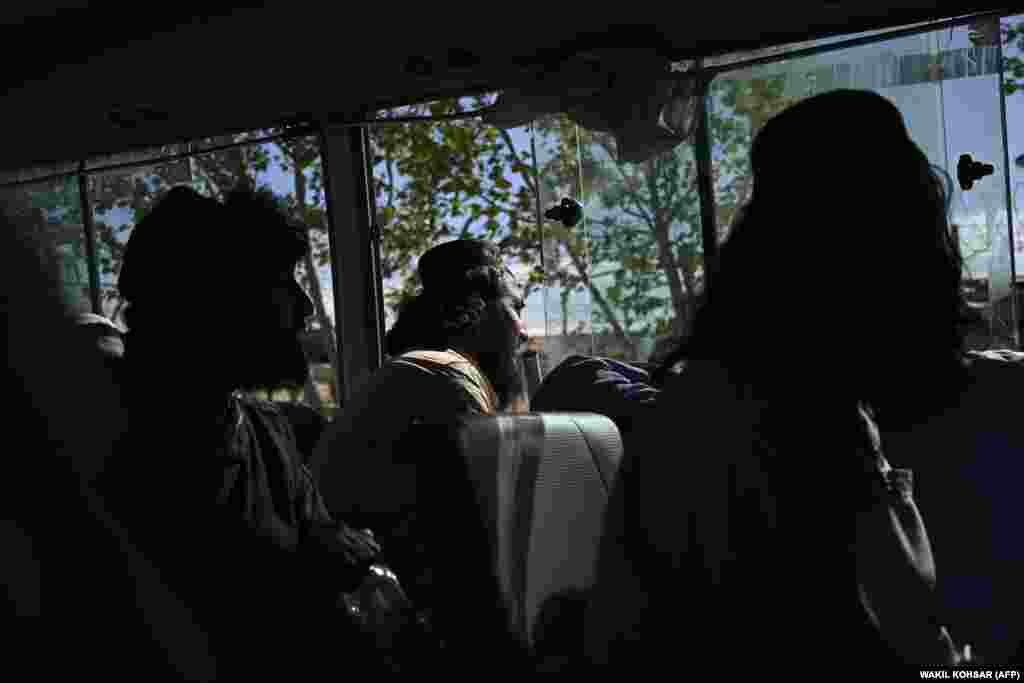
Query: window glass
[646,247]
[946,85]
[51,214]
[1012,37]
[443,180]
[616,284]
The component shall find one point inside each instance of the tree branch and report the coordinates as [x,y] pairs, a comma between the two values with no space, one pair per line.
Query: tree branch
[389,162]
[465,226]
[652,187]
[313,279]
[640,216]
[581,268]
[626,182]
[527,178]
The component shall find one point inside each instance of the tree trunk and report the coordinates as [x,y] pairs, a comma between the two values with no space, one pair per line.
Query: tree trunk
[690,306]
[577,262]
[667,262]
[565,311]
[313,276]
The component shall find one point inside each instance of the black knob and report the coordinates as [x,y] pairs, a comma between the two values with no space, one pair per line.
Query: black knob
[968,171]
[569,211]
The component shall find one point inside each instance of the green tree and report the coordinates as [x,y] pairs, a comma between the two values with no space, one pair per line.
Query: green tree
[50,214]
[1010,32]
[460,178]
[1013,66]
[645,226]
[448,179]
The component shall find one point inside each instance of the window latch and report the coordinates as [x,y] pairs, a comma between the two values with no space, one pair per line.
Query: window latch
[968,171]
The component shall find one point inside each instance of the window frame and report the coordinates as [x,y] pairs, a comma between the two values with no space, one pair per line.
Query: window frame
[355,266]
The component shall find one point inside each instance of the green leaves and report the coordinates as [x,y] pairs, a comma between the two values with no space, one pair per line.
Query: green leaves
[386,216]
[445,179]
[1014,75]
[464,178]
[1013,66]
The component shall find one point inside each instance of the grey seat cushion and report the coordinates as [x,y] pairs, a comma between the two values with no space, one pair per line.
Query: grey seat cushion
[542,483]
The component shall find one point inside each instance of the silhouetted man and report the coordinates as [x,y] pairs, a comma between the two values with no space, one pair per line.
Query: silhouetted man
[208,479]
[453,352]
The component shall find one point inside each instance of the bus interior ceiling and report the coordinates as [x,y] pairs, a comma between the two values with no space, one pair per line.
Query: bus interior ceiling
[69,67]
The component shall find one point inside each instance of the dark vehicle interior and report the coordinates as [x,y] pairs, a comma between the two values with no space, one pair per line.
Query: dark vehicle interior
[92,92]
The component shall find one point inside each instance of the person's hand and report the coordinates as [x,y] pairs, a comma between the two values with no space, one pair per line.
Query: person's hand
[358,545]
[345,553]
[965,657]
[957,656]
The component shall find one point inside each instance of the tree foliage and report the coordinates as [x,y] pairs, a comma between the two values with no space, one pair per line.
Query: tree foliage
[49,214]
[638,256]
[1011,33]
[434,182]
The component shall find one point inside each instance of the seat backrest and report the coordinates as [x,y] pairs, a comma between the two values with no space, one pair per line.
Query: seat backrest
[974,454]
[542,483]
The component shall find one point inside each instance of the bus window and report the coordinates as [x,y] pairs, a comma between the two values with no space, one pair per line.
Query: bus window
[291,169]
[50,213]
[946,84]
[645,240]
[569,289]
[442,180]
[613,285]
[1012,37]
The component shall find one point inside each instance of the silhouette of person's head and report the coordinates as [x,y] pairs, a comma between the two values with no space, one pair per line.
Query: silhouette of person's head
[232,264]
[843,252]
[470,303]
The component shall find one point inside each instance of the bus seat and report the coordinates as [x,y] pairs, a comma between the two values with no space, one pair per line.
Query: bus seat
[968,463]
[539,484]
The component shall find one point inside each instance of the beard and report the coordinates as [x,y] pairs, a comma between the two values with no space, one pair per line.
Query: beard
[279,364]
[505,374]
